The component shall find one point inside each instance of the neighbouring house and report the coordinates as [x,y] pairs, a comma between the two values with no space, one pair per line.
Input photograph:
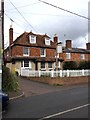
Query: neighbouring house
[31,51]
[75,54]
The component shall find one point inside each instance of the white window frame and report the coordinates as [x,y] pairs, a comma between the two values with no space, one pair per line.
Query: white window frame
[44,55]
[68,56]
[82,56]
[24,53]
[23,62]
[47,41]
[32,39]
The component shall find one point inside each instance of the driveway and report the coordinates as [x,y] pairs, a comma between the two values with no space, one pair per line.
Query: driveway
[31,88]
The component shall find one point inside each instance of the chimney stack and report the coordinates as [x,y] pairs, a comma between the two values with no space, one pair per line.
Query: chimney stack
[68,44]
[88,46]
[55,38]
[10,35]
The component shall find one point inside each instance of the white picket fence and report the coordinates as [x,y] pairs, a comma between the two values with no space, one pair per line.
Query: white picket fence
[60,73]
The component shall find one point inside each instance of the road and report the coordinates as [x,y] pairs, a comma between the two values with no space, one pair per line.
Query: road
[70,103]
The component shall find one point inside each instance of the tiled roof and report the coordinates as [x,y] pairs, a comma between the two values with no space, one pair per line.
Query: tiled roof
[40,40]
[75,50]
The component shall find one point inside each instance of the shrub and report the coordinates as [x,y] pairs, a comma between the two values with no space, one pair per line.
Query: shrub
[84,65]
[9,80]
[70,65]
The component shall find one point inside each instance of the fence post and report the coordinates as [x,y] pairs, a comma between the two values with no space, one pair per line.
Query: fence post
[67,73]
[60,73]
[52,73]
[82,72]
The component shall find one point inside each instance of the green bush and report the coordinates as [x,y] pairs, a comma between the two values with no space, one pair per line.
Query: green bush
[84,65]
[70,65]
[9,80]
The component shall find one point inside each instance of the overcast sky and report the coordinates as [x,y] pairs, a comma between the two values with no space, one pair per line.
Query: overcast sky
[38,17]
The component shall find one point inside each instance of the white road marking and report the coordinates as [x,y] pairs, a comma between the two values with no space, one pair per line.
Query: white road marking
[66,111]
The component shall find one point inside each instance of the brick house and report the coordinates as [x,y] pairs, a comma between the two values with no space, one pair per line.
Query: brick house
[38,52]
[31,51]
[75,54]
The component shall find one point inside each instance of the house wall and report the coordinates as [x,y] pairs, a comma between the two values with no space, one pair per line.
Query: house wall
[34,51]
[39,66]
[14,67]
[33,65]
[50,52]
[74,57]
[17,51]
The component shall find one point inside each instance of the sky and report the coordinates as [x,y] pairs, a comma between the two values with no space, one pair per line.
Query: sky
[40,18]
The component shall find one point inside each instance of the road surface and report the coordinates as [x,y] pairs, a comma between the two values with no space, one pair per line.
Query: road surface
[70,103]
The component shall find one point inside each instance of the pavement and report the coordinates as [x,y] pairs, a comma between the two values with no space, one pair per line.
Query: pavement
[32,88]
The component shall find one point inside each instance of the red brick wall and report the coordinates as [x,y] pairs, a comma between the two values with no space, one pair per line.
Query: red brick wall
[34,51]
[17,50]
[63,80]
[50,52]
[74,57]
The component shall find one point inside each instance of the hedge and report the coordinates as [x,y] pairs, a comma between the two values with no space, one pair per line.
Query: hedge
[72,65]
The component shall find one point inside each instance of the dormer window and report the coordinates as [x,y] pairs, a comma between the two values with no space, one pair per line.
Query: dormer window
[32,39]
[47,41]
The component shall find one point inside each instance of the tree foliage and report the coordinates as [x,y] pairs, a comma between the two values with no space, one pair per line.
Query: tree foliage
[9,80]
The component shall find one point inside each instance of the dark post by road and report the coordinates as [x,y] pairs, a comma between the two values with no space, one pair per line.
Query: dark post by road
[2,25]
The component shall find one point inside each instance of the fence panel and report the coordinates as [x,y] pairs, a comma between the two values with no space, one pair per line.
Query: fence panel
[60,73]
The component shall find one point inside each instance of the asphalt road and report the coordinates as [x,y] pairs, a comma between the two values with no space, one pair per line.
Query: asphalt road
[70,103]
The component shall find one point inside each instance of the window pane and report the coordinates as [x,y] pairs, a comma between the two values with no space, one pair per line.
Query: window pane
[82,56]
[67,55]
[32,39]
[42,51]
[43,65]
[50,65]
[47,41]
[21,63]
[25,51]
[26,63]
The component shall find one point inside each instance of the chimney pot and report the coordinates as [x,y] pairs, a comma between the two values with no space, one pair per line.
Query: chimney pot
[55,38]
[88,46]
[10,35]
[68,44]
